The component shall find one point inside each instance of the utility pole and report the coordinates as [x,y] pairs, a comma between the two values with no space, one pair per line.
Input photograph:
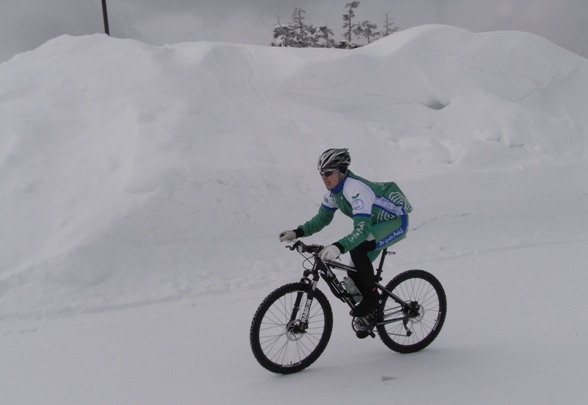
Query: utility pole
[105,14]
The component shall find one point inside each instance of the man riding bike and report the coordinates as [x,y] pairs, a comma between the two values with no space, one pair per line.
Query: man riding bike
[380,219]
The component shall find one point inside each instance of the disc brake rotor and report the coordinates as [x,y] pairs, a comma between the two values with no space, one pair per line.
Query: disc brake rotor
[295,330]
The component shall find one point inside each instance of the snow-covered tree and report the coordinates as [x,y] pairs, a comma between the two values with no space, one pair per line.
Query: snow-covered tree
[283,35]
[305,34]
[367,30]
[324,37]
[295,33]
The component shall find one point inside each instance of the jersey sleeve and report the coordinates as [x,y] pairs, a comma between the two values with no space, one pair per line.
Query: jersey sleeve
[323,218]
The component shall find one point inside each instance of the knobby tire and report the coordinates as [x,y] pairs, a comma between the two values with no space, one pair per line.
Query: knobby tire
[413,286]
[275,345]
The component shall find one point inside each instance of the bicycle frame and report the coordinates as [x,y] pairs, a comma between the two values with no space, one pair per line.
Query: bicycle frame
[324,269]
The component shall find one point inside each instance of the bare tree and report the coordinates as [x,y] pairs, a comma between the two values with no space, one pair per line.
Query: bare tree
[389,27]
[348,20]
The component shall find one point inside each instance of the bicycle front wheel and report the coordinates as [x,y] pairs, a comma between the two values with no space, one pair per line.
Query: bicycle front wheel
[281,343]
[423,317]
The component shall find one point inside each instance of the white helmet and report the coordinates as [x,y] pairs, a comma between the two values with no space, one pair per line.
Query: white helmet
[338,159]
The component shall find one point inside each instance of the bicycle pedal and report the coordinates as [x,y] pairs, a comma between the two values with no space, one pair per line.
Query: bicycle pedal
[362,334]
[363,328]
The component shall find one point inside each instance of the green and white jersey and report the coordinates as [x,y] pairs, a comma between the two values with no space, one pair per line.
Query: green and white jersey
[366,202]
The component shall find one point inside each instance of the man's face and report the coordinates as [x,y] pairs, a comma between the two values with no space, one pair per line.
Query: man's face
[331,178]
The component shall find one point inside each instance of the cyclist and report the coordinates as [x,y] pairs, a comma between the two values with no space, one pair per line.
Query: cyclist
[380,219]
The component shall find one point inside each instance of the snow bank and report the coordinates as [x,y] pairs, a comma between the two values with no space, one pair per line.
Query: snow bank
[133,173]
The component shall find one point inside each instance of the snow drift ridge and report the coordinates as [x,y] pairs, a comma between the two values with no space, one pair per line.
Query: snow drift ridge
[118,158]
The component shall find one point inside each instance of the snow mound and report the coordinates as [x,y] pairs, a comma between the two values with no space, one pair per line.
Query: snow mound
[133,173]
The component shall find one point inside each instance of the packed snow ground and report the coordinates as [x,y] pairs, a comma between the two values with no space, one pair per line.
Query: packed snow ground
[144,188]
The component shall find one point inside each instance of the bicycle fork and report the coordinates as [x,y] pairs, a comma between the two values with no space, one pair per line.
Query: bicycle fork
[301,325]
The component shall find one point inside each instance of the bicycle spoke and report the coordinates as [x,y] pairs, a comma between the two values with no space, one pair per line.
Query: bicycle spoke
[280,342]
[420,320]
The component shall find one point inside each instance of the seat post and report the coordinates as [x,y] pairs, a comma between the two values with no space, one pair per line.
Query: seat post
[381,266]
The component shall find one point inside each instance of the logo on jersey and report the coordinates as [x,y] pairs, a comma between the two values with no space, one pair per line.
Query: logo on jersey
[357,203]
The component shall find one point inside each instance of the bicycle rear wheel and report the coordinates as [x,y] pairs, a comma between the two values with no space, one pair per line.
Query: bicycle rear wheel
[425,317]
[279,341]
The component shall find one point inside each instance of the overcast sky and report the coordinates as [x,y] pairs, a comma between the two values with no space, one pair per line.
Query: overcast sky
[26,24]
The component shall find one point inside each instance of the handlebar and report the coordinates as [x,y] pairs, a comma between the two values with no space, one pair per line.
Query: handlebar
[304,248]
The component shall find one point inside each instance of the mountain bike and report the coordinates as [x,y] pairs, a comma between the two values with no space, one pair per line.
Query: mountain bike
[292,326]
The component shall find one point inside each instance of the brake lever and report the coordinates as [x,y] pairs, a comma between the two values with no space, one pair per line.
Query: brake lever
[298,245]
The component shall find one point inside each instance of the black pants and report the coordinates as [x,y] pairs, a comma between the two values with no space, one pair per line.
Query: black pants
[364,278]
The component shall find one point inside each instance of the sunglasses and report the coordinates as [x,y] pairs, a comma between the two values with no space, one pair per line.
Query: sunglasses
[327,173]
